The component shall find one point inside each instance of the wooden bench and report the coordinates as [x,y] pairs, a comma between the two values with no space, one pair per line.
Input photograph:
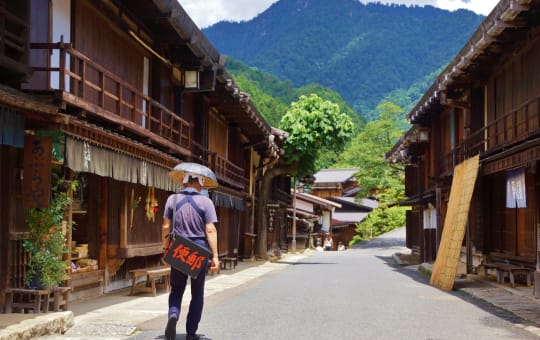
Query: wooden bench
[492,265]
[60,299]
[511,270]
[20,299]
[232,261]
[152,274]
[505,268]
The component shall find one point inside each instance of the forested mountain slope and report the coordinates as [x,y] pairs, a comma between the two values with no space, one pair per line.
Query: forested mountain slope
[362,51]
[273,96]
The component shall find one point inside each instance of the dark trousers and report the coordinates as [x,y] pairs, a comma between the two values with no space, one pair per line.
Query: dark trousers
[178,286]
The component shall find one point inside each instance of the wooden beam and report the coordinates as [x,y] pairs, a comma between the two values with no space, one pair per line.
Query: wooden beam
[460,104]
[140,250]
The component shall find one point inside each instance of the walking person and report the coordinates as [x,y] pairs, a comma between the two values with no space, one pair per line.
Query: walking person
[194,218]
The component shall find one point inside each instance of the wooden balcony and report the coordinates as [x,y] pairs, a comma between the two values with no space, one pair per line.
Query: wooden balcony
[225,170]
[13,42]
[511,129]
[97,91]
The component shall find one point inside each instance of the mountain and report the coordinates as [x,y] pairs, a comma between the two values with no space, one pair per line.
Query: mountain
[364,52]
[273,96]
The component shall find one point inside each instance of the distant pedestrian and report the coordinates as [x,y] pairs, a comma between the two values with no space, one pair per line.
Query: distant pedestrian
[194,220]
[340,246]
[328,243]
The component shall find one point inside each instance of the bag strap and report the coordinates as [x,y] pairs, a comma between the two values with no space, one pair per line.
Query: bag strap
[188,198]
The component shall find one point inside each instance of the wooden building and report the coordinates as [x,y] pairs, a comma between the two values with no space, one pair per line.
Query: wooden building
[335,182]
[313,216]
[125,90]
[350,212]
[487,103]
[340,186]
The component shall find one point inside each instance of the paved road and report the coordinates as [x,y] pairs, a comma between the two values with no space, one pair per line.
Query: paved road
[355,294]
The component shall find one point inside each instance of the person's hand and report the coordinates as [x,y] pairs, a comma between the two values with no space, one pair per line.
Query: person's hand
[214,265]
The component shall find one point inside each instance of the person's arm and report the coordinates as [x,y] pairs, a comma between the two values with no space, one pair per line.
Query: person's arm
[165,231]
[211,236]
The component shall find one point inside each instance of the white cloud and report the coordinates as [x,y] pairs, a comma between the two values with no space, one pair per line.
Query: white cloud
[208,12]
[478,6]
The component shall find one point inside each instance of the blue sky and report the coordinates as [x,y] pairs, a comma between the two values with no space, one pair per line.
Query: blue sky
[207,12]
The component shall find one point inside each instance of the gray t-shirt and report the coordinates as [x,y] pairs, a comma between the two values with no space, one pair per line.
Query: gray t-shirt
[187,222]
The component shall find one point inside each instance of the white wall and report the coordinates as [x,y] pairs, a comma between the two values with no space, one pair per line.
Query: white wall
[61,27]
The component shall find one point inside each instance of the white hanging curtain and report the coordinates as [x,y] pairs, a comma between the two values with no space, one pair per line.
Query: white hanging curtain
[516,196]
[85,157]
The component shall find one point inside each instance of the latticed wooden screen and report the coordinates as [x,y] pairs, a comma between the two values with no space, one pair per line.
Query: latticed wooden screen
[455,223]
[18,259]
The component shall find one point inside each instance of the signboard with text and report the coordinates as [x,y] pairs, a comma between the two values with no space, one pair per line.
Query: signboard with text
[187,256]
[37,172]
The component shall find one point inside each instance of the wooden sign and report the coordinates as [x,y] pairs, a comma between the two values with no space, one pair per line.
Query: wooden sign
[187,256]
[37,172]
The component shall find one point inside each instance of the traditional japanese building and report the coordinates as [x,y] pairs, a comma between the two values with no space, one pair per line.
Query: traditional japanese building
[119,92]
[340,186]
[485,103]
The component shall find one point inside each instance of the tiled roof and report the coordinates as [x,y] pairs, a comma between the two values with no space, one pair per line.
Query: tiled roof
[350,201]
[347,217]
[335,175]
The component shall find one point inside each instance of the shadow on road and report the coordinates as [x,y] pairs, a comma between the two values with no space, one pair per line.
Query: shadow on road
[414,273]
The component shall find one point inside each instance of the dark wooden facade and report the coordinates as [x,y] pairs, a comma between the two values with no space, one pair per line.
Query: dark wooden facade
[486,102]
[107,77]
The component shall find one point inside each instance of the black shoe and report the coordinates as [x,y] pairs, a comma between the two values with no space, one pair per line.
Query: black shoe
[193,337]
[170,329]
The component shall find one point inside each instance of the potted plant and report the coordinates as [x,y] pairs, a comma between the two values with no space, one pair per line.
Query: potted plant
[45,241]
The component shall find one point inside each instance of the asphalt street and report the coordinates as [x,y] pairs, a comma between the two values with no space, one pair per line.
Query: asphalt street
[356,294]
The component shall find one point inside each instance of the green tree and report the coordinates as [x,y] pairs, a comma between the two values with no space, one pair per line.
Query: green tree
[376,177]
[367,151]
[314,126]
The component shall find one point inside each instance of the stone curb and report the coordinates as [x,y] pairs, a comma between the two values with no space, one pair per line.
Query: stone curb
[51,323]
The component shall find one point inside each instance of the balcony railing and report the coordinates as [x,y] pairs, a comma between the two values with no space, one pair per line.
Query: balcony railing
[514,127]
[225,170]
[13,41]
[109,96]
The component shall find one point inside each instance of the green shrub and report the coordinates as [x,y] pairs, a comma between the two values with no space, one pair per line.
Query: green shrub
[45,241]
[380,221]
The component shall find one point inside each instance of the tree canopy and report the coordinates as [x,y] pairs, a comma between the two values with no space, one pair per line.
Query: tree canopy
[367,151]
[314,126]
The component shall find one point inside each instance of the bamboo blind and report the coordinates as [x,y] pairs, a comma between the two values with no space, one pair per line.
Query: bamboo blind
[445,267]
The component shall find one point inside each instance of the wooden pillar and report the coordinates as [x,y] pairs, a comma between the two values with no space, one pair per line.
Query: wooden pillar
[124,220]
[438,207]
[69,234]
[103,224]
